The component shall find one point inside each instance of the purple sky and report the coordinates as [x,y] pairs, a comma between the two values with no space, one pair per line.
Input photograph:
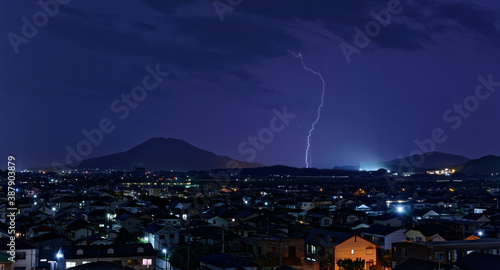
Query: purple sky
[226,77]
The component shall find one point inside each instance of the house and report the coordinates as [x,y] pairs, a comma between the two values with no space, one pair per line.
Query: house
[156,191]
[347,216]
[25,254]
[320,219]
[133,206]
[426,233]
[271,250]
[62,218]
[99,205]
[305,204]
[41,212]
[211,236]
[414,264]
[363,208]
[384,236]
[390,219]
[218,221]
[5,263]
[171,219]
[130,222]
[458,229]
[444,252]
[162,236]
[223,216]
[479,218]
[94,239]
[328,246]
[420,214]
[244,230]
[48,244]
[77,229]
[100,265]
[477,261]
[137,256]
[285,204]
[224,261]
[39,230]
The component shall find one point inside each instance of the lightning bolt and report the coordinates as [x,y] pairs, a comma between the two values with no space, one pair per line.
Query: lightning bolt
[318,116]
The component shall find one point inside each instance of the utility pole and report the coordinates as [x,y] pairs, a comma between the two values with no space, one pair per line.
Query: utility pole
[281,251]
[189,242]
[222,238]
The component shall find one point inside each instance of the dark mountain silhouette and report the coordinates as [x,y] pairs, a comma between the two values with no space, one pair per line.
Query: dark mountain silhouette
[429,160]
[482,166]
[158,154]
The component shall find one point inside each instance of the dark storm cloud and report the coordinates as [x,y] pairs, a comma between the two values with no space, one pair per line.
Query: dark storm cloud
[92,18]
[242,39]
[167,7]
[400,36]
[145,26]
[410,30]
[470,17]
[239,70]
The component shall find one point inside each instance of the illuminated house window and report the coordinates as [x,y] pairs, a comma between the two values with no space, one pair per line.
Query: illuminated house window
[352,251]
[147,262]
[70,264]
[439,256]
[132,262]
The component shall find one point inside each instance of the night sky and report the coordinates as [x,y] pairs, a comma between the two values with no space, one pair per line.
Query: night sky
[231,70]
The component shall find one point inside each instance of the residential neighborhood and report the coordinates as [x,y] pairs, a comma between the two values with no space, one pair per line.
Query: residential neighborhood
[66,220]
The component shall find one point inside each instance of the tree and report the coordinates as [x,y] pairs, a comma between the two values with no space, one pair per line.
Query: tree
[124,236]
[179,256]
[349,264]
[388,257]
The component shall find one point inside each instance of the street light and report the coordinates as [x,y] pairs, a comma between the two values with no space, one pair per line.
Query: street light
[400,209]
[165,252]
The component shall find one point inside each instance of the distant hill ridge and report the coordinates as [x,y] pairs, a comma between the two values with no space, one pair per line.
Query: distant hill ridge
[429,160]
[162,154]
[486,165]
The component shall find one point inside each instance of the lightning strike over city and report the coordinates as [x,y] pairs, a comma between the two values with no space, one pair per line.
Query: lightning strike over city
[308,158]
